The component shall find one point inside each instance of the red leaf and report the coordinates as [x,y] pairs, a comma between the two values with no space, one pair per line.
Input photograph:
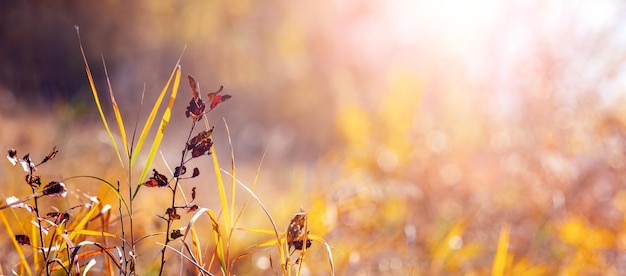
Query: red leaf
[216,99]
[157,180]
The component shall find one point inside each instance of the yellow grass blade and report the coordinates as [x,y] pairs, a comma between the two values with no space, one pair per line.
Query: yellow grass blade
[81,256]
[81,223]
[18,248]
[443,251]
[260,231]
[116,110]
[197,252]
[254,182]
[328,251]
[109,185]
[34,231]
[500,260]
[232,170]
[93,233]
[272,242]
[220,184]
[150,120]
[219,242]
[281,245]
[217,235]
[164,122]
[97,100]
[194,236]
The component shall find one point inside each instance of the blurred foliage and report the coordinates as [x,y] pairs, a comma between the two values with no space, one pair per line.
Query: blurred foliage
[413,133]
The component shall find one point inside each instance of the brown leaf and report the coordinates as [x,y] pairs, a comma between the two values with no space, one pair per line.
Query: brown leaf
[22,239]
[157,180]
[195,87]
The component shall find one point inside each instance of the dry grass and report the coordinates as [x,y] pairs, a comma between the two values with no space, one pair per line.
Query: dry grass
[106,235]
[413,182]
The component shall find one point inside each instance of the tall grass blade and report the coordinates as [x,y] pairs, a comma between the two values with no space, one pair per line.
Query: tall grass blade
[232,169]
[82,223]
[18,248]
[500,260]
[190,229]
[443,251]
[220,185]
[162,127]
[116,110]
[113,188]
[88,267]
[195,241]
[254,182]
[281,249]
[33,233]
[331,263]
[219,241]
[148,125]
[97,100]
[260,231]
[87,232]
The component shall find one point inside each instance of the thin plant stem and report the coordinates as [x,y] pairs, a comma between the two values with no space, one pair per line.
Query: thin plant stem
[130,217]
[174,189]
[43,251]
[123,263]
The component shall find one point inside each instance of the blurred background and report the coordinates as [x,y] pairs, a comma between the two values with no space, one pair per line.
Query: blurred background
[411,131]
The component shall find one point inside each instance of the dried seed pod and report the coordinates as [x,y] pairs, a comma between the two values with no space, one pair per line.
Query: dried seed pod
[12,156]
[175,234]
[22,239]
[178,171]
[297,231]
[56,189]
[171,213]
[33,180]
[195,173]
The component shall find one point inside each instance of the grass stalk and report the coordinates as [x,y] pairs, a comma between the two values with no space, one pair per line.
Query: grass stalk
[173,202]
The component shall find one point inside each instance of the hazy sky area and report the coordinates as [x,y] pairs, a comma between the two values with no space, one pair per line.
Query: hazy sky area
[486,39]
[294,67]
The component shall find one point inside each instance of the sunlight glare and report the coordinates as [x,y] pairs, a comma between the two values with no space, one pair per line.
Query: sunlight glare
[452,23]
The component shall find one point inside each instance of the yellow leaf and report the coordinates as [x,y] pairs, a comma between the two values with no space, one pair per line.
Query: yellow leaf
[92,233]
[500,260]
